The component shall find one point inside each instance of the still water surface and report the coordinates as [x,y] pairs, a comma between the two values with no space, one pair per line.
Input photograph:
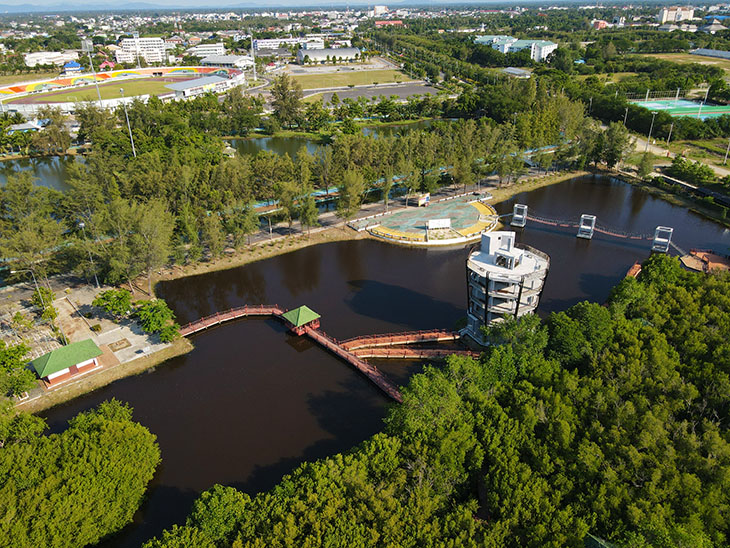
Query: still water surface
[251,402]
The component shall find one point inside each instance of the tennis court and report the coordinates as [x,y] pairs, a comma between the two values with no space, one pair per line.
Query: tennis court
[685,107]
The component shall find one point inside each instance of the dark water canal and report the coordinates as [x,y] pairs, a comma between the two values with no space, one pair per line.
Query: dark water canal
[251,402]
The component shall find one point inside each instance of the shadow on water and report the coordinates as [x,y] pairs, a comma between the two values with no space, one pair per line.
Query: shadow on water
[404,306]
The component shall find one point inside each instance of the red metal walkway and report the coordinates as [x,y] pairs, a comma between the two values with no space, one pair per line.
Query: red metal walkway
[395,339]
[370,371]
[411,353]
[230,314]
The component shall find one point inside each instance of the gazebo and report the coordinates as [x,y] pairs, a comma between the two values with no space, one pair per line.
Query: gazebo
[300,318]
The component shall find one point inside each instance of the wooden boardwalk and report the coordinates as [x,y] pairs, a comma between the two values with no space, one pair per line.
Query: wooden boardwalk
[229,315]
[411,353]
[396,339]
[370,371]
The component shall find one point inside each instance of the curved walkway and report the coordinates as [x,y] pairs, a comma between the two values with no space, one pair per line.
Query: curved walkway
[469,217]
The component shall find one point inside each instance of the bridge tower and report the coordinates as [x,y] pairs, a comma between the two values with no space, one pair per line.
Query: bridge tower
[662,239]
[586,226]
[519,215]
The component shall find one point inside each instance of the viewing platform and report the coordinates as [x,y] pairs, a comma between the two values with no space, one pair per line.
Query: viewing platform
[450,221]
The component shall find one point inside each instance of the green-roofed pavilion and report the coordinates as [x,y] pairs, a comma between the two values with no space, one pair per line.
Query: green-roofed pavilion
[300,317]
[66,357]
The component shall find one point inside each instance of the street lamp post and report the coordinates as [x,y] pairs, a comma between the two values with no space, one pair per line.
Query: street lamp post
[726,152]
[669,137]
[626,115]
[40,296]
[653,114]
[129,127]
[82,226]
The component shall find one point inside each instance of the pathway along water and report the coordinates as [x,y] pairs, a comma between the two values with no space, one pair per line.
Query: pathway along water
[251,402]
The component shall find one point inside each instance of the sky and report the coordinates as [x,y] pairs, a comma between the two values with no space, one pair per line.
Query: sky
[65,5]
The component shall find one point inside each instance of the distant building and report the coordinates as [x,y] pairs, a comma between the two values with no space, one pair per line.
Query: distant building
[49,58]
[72,67]
[600,24]
[324,55]
[675,14]
[389,23]
[713,27]
[313,44]
[228,61]
[672,27]
[379,10]
[515,72]
[503,279]
[152,50]
[68,361]
[204,50]
[273,43]
[200,86]
[539,49]
[174,41]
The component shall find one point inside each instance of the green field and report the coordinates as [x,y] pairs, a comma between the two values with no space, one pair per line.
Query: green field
[349,78]
[686,58]
[108,90]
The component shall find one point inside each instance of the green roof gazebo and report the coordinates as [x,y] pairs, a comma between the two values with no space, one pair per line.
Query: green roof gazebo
[301,318]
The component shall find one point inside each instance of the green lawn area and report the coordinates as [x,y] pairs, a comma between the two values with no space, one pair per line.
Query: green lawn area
[349,78]
[108,91]
[609,78]
[10,79]
[687,58]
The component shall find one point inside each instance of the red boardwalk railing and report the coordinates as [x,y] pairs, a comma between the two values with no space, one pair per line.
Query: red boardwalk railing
[231,314]
[411,353]
[370,371]
[394,339]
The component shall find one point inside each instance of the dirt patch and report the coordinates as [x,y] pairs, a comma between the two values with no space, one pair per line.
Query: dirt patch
[118,345]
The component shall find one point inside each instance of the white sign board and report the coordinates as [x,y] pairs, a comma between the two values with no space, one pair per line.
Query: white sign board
[439,223]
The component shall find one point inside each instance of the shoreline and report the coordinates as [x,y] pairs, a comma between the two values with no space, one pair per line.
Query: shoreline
[97,380]
[285,244]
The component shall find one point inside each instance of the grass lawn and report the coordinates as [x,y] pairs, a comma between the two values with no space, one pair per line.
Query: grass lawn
[609,78]
[349,78]
[7,80]
[685,58]
[108,91]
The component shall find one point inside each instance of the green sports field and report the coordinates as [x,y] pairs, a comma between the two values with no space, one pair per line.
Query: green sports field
[349,78]
[108,90]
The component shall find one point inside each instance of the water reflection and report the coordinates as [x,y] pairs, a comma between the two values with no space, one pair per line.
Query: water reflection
[50,172]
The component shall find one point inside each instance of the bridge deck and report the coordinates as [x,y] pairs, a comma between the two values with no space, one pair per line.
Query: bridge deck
[394,339]
[411,353]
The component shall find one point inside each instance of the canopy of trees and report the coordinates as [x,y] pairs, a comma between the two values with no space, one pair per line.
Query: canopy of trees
[76,487]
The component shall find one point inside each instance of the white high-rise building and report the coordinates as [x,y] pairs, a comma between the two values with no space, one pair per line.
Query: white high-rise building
[675,14]
[503,277]
[152,50]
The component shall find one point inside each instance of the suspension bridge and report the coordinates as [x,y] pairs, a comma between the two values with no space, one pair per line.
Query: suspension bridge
[588,225]
[304,321]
